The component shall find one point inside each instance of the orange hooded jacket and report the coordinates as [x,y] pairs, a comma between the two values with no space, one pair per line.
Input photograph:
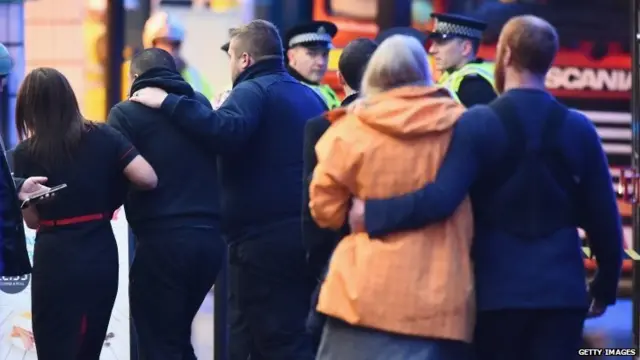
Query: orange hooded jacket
[415,282]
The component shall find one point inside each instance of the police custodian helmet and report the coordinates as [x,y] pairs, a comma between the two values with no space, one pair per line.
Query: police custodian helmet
[449,26]
[313,34]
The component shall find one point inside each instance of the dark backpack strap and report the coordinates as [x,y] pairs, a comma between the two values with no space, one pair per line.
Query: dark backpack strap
[553,125]
[551,151]
[516,138]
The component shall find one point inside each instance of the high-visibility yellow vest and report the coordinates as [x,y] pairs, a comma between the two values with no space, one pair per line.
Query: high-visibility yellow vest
[453,80]
[327,94]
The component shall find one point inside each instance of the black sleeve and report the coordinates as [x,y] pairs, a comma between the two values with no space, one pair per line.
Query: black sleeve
[318,242]
[118,120]
[123,151]
[228,128]
[475,90]
[203,100]
[600,217]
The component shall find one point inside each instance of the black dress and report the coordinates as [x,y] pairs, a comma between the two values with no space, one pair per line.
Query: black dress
[75,272]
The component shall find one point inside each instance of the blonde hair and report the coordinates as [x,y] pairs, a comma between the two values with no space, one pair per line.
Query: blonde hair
[400,60]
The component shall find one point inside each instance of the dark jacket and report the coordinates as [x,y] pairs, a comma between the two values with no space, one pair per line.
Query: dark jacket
[259,132]
[513,272]
[319,242]
[14,260]
[474,90]
[187,193]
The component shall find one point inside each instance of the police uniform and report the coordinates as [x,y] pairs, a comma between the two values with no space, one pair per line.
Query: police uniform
[313,35]
[473,83]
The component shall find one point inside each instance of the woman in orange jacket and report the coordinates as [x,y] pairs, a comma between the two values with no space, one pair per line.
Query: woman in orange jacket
[408,295]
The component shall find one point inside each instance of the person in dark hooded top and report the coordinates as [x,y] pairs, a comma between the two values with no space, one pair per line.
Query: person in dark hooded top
[179,248]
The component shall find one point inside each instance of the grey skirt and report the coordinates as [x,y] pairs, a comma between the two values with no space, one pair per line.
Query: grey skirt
[341,341]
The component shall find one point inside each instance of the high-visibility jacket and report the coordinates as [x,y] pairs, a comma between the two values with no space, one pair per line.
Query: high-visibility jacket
[453,79]
[327,94]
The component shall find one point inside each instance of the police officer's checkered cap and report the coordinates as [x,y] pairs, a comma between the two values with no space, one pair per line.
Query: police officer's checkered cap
[354,59]
[458,30]
[449,25]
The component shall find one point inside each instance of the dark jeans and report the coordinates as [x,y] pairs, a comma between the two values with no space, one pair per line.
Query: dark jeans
[315,319]
[269,292]
[343,341]
[172,273]
[538,334]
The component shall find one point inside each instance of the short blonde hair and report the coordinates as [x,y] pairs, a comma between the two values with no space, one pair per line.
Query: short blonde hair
[400,60]
[259,39]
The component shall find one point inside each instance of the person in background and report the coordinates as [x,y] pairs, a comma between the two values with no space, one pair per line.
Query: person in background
[14,258]
[321,242]
[166,32]
[75,271]
[222,96]
[258,133]
[455,40]
[179,248]
[307,50]
[407,295]
[536,172]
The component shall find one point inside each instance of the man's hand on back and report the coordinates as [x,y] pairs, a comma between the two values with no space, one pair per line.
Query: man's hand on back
[356,216]
[151,97]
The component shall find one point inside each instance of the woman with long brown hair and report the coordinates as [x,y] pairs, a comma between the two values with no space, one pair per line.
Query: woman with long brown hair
[75,271]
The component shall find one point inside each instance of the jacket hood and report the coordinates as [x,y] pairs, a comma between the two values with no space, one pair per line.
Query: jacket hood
[408,111]
[165,79]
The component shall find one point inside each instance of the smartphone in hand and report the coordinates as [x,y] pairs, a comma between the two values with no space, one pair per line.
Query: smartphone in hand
[41,195]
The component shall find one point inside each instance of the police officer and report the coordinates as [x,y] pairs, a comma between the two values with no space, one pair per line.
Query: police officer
[164,31]
[307,50]
[454,45]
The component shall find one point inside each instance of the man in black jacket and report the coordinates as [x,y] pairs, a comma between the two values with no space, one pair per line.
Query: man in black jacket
[321,242]
[179,246]
[258,132]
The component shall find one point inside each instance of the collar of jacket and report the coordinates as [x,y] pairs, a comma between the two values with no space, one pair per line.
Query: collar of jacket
[474,61]
[296,75]
[263,67]
[349,99]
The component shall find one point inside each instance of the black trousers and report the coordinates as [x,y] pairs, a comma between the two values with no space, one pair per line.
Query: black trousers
[171,274]
[270,295]
[73,289]
[539,334]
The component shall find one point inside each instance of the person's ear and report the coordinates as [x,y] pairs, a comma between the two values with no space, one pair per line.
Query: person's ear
[507,56]
[341,79]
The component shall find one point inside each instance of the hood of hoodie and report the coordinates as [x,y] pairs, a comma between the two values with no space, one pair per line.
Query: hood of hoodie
[165,79]
[409,111]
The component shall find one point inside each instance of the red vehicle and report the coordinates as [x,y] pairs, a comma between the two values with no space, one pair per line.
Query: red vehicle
[591,73]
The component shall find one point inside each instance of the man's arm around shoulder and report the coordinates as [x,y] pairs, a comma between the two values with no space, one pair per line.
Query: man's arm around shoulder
[439,199]
[227,128]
